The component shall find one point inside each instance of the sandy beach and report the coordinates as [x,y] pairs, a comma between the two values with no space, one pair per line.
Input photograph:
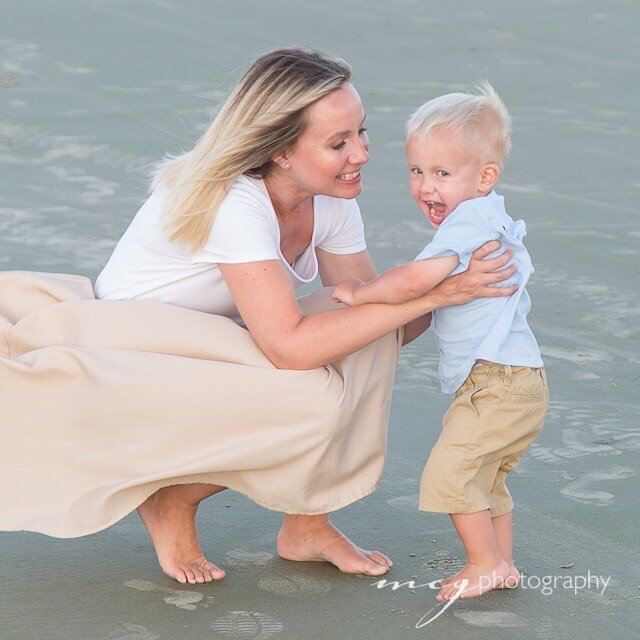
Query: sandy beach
[94,93]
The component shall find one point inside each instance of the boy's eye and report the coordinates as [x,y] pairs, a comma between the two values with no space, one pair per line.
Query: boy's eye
[441,173]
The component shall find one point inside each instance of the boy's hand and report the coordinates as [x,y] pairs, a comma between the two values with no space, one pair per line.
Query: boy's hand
[345,292]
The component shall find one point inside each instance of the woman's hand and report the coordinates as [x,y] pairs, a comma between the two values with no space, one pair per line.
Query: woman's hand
[476,281]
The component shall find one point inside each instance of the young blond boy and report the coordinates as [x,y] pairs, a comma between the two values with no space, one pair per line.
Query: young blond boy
[456,148]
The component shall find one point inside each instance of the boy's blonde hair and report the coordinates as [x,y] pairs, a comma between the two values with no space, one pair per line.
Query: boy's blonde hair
[480,117]
[265,113]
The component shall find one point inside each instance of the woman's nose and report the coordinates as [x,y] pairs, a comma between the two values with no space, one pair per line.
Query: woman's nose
[360,155]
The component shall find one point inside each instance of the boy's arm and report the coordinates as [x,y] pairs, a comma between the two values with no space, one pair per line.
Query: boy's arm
[407,282]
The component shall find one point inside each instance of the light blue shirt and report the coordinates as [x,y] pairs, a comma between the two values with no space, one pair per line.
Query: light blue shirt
[493,329]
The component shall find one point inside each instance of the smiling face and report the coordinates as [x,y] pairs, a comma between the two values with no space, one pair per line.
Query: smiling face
[444,171]
[328,156]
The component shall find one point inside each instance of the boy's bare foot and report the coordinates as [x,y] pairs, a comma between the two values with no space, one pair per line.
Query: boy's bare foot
[480,580]
[328,544]
[171,524]
[510,582]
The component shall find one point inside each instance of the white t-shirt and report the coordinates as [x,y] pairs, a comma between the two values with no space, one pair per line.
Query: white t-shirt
[145,264]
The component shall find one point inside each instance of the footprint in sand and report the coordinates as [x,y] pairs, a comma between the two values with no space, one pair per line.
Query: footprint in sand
[491,618]
[293,585]
[405,503]
[130,631]
[181,599]
[581,491]
[247,623]
[242,558]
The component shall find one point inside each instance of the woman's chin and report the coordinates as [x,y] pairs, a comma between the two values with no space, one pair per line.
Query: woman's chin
[348,191]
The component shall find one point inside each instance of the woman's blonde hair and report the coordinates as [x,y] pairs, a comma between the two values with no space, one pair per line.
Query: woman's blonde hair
[264,114]
[481,117]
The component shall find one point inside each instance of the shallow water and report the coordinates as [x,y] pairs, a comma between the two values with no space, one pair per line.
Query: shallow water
[94,93]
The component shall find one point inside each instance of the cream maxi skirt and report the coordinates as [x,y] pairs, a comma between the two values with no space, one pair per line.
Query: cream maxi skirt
[102,403]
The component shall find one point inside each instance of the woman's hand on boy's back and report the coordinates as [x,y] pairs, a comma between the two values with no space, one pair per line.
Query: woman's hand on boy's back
[477,280]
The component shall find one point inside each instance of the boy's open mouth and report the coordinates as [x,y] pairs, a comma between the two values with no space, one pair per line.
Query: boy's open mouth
[436,211]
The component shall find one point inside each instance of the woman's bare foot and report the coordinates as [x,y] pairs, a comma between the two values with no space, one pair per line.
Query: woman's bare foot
[480,579]
[169,515]
[314,538]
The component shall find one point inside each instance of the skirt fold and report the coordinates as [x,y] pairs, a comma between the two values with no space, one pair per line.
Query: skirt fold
[102,403]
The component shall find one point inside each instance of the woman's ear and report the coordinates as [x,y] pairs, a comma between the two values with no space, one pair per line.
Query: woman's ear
[489,174]
[281,159]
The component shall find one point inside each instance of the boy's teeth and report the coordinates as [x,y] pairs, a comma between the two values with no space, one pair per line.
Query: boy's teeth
[436,209]
[349,176]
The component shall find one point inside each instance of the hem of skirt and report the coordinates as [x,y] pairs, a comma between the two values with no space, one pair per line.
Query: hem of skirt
[90,531]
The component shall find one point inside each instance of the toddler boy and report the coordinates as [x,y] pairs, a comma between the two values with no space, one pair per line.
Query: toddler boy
[489,358]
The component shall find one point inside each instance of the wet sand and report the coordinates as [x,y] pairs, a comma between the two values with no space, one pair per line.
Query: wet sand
[94,93]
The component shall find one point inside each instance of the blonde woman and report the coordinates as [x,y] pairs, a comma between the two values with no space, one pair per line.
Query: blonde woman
[283,399]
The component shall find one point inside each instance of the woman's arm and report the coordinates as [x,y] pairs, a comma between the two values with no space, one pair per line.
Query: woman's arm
[267,303]
[266,300]
[334,268]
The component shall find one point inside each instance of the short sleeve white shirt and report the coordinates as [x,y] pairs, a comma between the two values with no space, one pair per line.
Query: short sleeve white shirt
[145,264]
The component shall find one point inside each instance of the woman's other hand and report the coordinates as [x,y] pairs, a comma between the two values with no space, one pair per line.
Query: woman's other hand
[477,280]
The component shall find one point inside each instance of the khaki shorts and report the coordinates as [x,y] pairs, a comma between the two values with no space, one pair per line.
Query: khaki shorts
[495,416]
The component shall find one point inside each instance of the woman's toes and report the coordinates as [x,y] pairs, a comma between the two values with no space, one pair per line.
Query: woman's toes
[385,559]
[211,572]
[180,576]
[374,568]
[217,574]
[199,576]
[379,558]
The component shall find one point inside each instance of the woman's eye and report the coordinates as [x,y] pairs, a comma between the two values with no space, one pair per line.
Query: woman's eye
[415,171]
[441,173]
[341,145]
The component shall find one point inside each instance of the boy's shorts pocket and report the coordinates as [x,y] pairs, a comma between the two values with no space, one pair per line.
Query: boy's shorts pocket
[527,386]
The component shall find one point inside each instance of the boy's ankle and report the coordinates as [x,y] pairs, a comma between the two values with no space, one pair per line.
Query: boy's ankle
[488,560]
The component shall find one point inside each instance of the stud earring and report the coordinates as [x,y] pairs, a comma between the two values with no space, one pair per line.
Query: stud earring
[286,166]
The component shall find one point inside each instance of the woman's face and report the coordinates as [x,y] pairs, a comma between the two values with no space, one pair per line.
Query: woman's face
[330,153]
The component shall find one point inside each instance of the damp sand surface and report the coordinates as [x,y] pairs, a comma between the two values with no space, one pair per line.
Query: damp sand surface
[94,93]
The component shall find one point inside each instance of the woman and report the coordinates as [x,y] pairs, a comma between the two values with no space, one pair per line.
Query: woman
[262,204]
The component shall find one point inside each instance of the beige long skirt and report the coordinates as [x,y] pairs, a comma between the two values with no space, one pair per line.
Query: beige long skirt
[102,403]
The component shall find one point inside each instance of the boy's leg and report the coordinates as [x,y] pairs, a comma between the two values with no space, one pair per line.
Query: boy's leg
[503,531]
[516,407]
[485,568]
[503,534]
